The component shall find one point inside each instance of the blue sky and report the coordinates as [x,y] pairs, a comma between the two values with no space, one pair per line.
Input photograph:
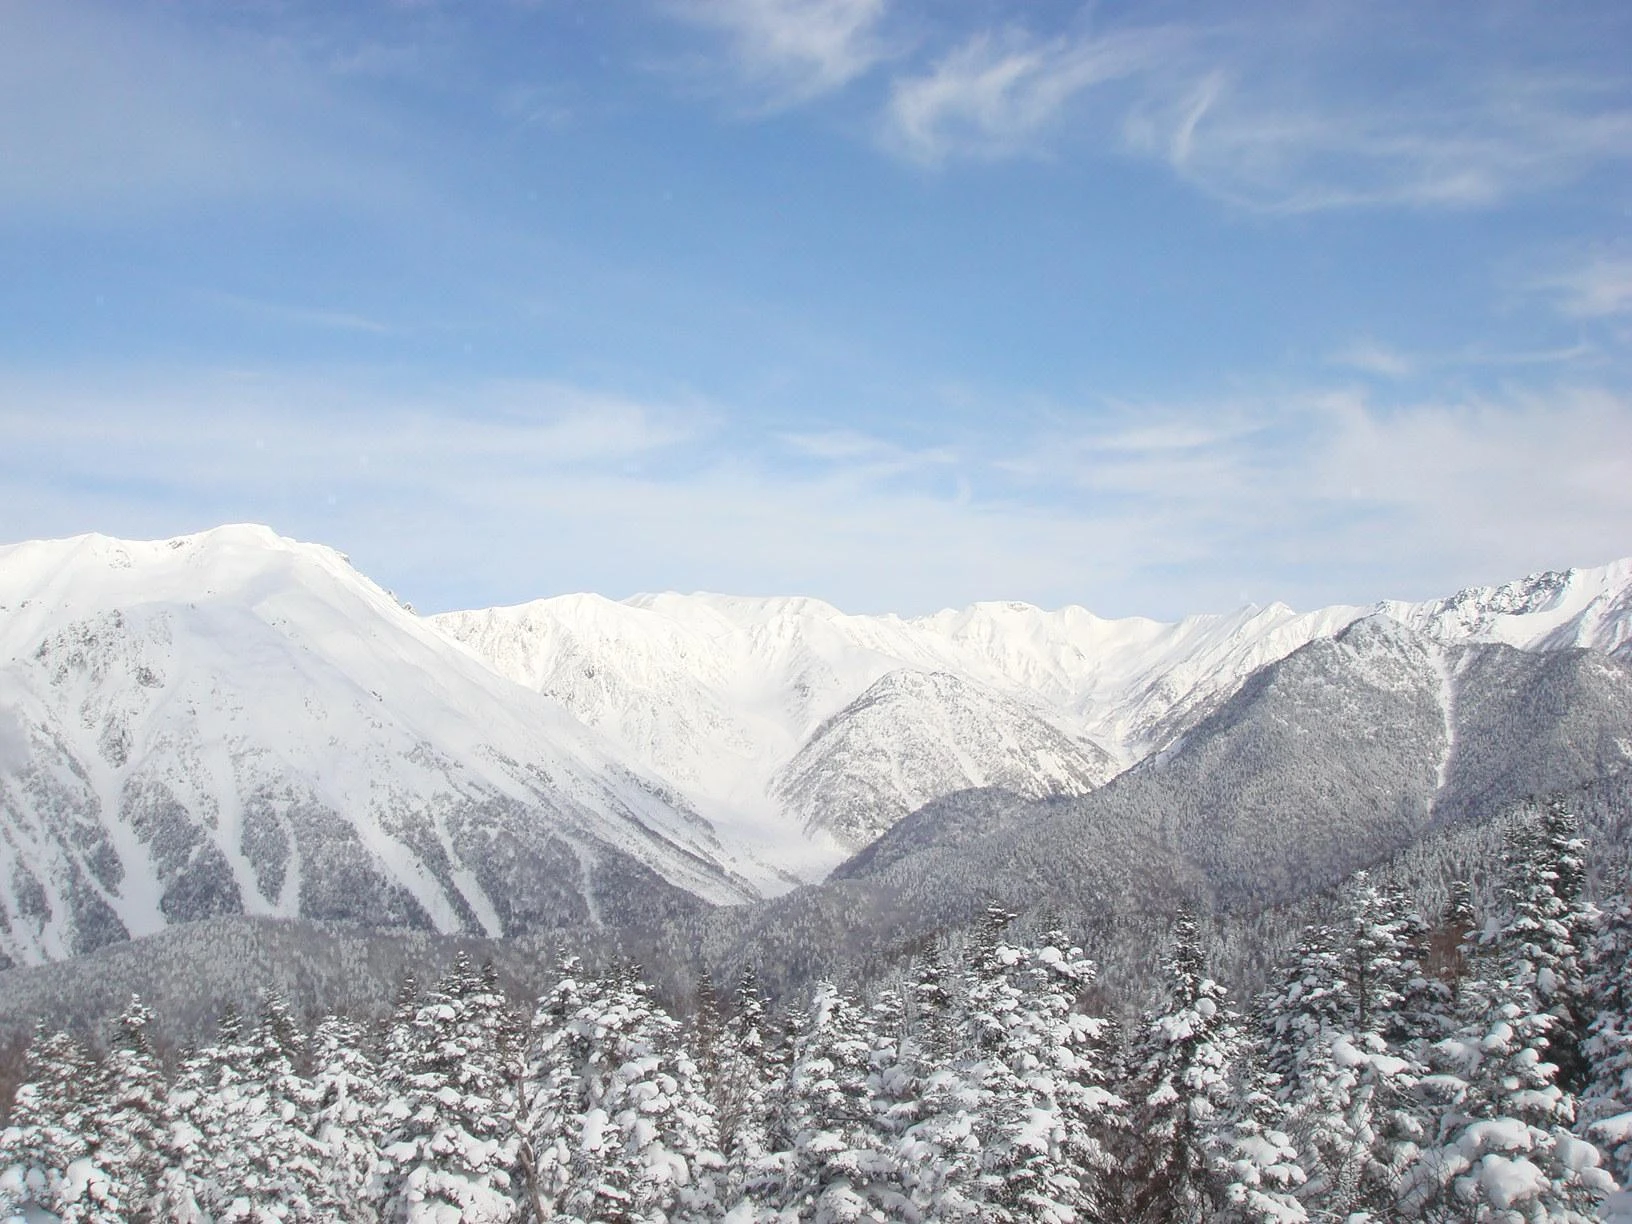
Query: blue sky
[1153,308]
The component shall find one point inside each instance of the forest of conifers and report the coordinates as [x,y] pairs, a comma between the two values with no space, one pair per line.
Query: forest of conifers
[1469,1067]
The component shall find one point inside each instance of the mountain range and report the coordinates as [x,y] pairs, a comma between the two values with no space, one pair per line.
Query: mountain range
[232,722]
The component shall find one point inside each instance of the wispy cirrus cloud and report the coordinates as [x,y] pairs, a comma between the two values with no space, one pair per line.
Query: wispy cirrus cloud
[1000,92]
[1467,145]
[1371,107]
[1596,289]
[323,318]
[1371,356]
[794,50]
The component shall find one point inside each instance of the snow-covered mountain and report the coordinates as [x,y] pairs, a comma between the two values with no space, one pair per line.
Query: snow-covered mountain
[914,737]
[233,722]
[1362,750]
[728,698]
[237,723]
[1547,611]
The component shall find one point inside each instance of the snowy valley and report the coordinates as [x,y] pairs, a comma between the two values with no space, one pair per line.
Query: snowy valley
[235,722]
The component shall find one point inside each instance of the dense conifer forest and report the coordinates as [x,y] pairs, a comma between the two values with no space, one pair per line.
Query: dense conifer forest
[1460,1066]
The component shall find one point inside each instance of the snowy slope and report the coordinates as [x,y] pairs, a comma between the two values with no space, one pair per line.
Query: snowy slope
[1546,611]
[718,694]
[234,722]
[917,736]
[721,694]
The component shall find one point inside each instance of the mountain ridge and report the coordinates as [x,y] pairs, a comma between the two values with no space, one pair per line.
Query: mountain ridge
[237,722]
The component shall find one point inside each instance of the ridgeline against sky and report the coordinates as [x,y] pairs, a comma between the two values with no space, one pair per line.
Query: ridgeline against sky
[1146,307]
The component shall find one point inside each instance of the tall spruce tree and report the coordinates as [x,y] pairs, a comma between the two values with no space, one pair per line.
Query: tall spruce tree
[1606,1101]
[45,1147]
[551,1094]
[644,1147]
[127,1131]
[346,1115]
[1346,1088]
[1180,1090]
[1502,1145]
[835,1165]
[451,1149]
[741,1095]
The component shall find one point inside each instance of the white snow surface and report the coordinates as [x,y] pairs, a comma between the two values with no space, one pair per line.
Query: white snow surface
[215,666]
[224,667]
[719,694]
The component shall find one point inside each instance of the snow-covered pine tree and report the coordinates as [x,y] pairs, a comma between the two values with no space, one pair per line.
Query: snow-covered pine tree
[1311,997]
[127,1130]
[1017,1141]
[44,1148]
[1549,924]
[204,1103]
[1180,1090]
[938,1152]
[452,1154]
[933,1010]
[551,1094]
[1425,1003]
[741,1095]
[268,1170]
[646,1146]
[896,1094]
[836,1166]
[1346,1090]
[1606,1102]
[1261,1175]
[1504,1149]
[1449,950]
[346,1101]
[1070,1107]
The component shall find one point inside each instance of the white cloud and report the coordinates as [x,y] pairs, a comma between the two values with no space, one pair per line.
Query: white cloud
[1266,145]
[1280,114]
[796,49]
[505,492]
[1000,92]
[1374,357]
[1353,499]
[1597,289]
[304,316]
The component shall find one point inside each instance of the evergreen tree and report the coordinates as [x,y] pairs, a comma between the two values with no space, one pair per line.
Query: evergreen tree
[1503,1146]
[835,1166]
[1606,1102]
[551,1095]
[1548,926]
[741,1095]
[620,1127]
[1068,1106]
[43,1152]
[203,1103]
[1345,1088]
[346,1109]
[269,1169]
[1261,1172]
[896,1095]
[452,1151]
[127,1130]
[1180,1090]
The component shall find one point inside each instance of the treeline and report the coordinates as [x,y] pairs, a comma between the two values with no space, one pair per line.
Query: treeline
[1476,1070]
